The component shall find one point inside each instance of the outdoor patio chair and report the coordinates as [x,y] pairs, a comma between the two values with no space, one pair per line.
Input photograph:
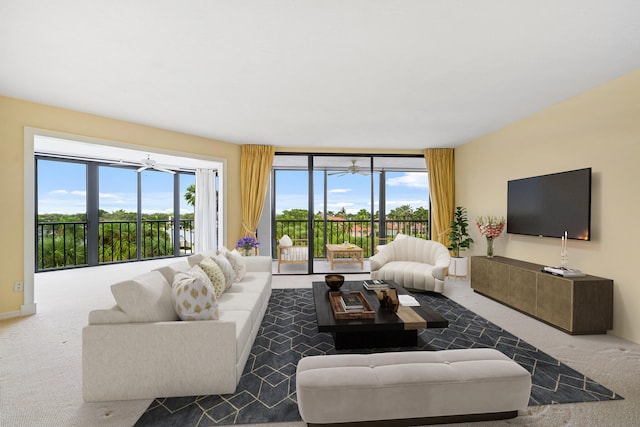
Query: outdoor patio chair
[292,251]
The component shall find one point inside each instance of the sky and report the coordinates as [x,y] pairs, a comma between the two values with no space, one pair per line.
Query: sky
[62,189]
[350,191]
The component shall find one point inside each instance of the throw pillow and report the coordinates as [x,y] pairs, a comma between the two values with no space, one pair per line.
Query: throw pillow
[237,262]
[193,296]
[215,275]
[145,298]
[227,270]
[286,241]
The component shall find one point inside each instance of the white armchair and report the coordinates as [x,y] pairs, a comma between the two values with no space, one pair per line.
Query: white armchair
[413,263]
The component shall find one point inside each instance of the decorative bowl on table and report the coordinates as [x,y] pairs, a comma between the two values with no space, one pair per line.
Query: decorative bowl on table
[334,281]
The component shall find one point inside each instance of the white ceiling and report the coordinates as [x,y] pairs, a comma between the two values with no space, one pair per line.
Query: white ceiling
[332,73]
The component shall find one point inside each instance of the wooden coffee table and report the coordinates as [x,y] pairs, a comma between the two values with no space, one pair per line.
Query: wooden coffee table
[385,330]
[351,254]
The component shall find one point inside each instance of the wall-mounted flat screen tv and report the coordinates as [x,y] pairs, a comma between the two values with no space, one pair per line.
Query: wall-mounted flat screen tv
[550,205]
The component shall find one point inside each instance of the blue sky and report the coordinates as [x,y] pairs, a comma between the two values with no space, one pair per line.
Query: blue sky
[62,189]
[351,192]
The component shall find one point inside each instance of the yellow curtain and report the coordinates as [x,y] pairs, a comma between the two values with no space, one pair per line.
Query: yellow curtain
[441,170]
[255,167]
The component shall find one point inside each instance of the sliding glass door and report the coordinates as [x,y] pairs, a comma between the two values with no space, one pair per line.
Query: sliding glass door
[344,206]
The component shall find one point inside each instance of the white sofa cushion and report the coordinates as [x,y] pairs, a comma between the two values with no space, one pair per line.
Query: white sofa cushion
[241,301]
[145,298]
[216,276]
[193,296]
[254,282]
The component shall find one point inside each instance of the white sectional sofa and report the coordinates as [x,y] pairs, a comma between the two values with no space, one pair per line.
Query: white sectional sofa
[413,263]
[139,349]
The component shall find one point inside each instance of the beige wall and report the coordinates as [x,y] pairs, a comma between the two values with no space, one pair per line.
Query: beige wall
[15,115]
[598,129]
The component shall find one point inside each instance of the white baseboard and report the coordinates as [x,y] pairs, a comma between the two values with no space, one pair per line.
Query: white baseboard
[28,309]
[10,315]
[25,310]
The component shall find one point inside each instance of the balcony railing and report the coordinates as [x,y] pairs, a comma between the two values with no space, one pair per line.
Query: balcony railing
[357,232]
[66,244]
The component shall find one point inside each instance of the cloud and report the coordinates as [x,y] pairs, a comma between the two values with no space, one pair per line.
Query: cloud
[79,193]
[109,196]
[410,179]
[339,190]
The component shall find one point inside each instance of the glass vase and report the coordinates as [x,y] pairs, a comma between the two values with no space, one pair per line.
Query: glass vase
[248,252]
[489,247]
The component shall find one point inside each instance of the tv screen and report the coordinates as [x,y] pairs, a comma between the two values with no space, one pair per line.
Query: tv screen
[550,205]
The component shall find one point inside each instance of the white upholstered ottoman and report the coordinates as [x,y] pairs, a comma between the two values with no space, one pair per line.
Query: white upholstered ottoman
[411,388]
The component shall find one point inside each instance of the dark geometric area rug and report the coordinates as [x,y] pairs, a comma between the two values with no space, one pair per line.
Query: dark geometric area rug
[266,392]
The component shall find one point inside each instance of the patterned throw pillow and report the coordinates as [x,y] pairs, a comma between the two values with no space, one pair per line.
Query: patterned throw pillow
[216,276]
[193,296]
[227,270]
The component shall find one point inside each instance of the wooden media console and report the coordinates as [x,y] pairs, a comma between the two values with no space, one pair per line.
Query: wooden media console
[576,305]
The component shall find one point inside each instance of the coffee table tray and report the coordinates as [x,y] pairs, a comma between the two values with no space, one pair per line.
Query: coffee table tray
[340,313]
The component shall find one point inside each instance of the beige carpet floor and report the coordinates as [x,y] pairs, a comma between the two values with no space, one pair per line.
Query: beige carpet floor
[41,362]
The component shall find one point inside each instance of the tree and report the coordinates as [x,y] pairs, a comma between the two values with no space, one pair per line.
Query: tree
[420,214]
[294,214]
[401,212]
[190,195]
[362,214]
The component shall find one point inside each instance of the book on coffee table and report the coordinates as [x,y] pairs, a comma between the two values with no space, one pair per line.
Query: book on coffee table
[351,302]
[372,285]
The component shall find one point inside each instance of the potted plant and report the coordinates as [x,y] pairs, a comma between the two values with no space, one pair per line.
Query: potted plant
[459,240]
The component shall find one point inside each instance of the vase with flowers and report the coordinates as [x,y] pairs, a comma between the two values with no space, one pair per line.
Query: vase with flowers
[247,246]
[490,227]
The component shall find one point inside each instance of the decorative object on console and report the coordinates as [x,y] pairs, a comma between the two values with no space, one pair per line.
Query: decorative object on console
[388,299]
[334,281]
[247,246]
[564,259]
[459,240]
[490,227]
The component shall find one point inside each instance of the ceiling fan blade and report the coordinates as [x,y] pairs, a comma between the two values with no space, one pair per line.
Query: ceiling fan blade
[123,163]
[164,170]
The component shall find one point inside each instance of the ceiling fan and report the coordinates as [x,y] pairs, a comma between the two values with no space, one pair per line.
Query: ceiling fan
[351,169]
[147,163]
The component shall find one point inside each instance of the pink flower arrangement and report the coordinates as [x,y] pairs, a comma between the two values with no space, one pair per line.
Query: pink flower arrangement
[490,226]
